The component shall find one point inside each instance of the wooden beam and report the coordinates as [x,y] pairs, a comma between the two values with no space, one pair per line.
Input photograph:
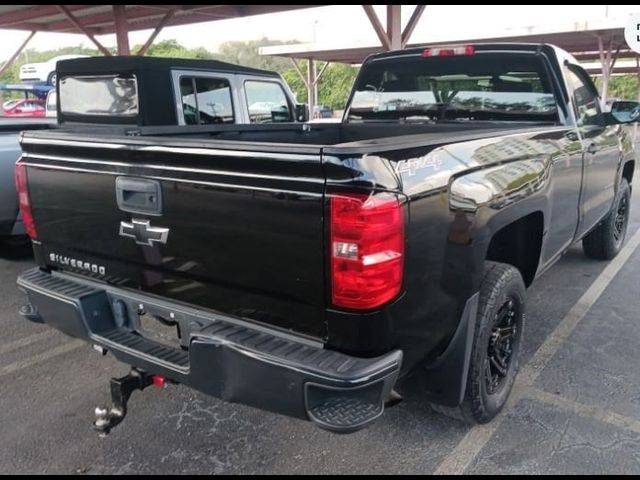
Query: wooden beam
[122,29]
[83,29]
[411,25]
[9,62]
[377,26]
[155,33]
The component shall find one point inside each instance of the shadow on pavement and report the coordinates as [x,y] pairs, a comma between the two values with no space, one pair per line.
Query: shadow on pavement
[15,248]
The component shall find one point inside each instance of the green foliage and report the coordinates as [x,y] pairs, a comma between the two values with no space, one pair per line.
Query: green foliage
[625,87]
[334,86]
[247,54]
[171,48]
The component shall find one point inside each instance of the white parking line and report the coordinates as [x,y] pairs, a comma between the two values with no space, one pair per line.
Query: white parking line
[477,437]
[41,357]
[583,410]
[23,342]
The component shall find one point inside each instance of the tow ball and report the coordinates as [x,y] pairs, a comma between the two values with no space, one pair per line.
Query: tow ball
[121,389]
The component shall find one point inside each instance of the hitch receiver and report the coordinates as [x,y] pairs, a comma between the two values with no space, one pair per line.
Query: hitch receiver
[121,390]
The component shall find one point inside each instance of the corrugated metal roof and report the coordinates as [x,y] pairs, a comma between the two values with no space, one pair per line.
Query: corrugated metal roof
[99,20]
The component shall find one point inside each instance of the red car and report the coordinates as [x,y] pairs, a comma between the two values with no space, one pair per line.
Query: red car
[32,107]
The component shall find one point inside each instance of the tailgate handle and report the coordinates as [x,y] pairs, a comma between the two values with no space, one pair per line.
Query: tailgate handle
[139,195]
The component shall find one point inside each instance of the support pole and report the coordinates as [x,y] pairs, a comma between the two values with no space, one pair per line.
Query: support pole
[605,60]
[394,26]
[155,33]
[13,58]
[312,88]
[72,18]
[122,29]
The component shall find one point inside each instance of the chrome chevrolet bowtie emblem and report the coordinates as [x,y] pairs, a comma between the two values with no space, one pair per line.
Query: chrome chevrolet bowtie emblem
[143,233]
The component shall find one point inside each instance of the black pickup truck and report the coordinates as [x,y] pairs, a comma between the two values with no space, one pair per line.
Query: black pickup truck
[311,269]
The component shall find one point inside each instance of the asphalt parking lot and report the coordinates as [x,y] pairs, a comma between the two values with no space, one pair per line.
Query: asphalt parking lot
[575,408]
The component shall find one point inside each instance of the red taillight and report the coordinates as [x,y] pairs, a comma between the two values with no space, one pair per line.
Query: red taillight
[367,250]
[23,200]
[448,52]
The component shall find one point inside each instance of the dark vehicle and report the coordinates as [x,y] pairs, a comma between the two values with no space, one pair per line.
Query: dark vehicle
[311,269]
[12,232]
[322,111]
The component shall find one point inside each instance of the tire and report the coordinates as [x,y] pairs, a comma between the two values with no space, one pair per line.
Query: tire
[51,79]
[502,288]
[606,240]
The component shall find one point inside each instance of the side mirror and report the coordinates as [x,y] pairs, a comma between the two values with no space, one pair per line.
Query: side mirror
[625,111]
[302,112]
[17,110]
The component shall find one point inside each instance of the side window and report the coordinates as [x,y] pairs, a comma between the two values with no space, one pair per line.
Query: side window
[206,100]
[267,102]
[586,102]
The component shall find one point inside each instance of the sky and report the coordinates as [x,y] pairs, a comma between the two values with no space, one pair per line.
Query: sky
[347,25]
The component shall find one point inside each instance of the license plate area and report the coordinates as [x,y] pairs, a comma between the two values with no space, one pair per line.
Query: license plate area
[156,323]
[160,329]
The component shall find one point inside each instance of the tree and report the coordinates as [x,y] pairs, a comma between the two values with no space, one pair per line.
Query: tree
[625,87]
[333,88]
[172,49]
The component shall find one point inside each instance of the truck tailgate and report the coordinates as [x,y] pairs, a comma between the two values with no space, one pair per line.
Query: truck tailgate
[234,231]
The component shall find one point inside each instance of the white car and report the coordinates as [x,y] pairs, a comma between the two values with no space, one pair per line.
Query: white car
[45,71]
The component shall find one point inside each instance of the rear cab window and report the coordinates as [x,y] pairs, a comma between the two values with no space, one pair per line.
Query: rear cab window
[206,100]
[104,95]
[267,102]
[485,86]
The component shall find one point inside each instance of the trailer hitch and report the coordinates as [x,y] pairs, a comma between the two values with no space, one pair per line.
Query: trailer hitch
[121,389]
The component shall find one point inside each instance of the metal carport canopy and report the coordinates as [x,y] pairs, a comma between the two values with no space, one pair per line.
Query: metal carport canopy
[92,20]
[99,19]
[582,44]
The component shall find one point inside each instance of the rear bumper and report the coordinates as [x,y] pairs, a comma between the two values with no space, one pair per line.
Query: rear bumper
[224,357]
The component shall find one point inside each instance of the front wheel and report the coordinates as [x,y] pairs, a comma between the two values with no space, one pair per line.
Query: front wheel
[496,345]
[606,240]
[51,79]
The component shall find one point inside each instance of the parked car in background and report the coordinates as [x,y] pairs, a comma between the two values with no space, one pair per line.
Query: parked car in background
[322,111]
[25,108]
[44,71]
[11,227]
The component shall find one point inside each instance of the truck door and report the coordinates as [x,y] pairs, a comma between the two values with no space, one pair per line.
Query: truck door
[600,146]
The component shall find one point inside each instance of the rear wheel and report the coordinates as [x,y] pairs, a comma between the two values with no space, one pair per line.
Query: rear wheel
[606,240]
[496,345]
[51,79]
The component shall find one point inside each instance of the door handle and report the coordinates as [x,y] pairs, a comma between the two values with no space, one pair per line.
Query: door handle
[593,148]
[139,195]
